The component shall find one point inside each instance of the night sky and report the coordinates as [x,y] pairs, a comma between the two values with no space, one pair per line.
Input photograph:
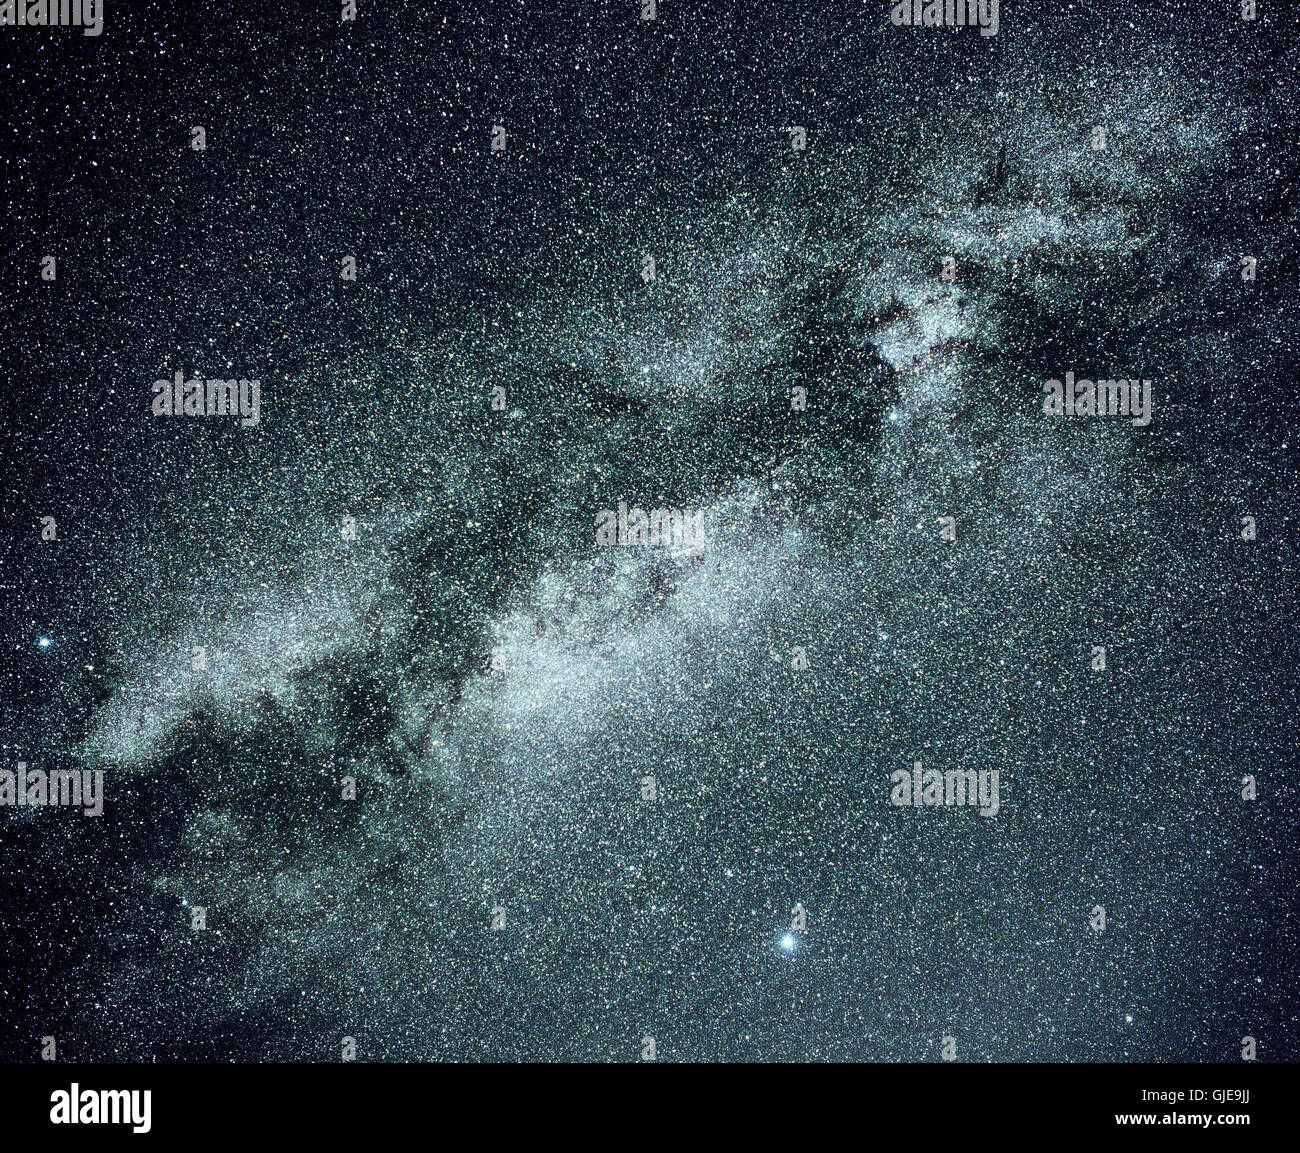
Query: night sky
[686,836]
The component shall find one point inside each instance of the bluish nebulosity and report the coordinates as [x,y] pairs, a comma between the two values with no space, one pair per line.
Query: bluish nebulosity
[500,688]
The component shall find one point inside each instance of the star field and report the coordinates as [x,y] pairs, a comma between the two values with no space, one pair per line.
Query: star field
[456,781]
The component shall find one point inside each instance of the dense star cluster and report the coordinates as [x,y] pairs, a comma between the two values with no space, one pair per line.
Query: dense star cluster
[397,748]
